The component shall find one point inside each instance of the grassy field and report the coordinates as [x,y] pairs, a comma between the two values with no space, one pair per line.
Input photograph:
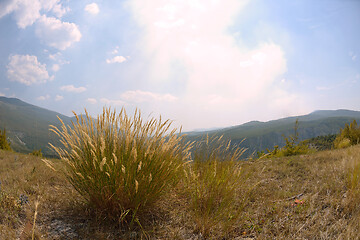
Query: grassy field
[313,196]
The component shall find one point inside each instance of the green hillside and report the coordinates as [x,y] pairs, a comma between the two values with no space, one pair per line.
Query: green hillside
[261,135]
[27,125]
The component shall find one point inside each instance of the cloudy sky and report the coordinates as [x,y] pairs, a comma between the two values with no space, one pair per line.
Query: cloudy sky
[201,63]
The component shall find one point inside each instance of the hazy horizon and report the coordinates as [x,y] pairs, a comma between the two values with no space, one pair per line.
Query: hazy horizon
[203,64]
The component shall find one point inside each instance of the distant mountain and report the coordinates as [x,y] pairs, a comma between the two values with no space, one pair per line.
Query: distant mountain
[261,135]
[27,126]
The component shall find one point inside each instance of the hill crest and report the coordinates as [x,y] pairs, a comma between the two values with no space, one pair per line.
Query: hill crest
[27,127]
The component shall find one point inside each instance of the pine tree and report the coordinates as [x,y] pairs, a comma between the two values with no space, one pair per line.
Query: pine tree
[4,144]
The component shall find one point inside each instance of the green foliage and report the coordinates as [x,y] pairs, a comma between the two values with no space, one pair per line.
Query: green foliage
[291,148]
[213,181]
[36,153]
[343,143]
[348,136]
[4,144]
[120,164]
[321,142]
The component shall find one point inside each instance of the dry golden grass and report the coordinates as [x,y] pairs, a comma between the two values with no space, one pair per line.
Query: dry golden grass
[302,197]
[212,186]
[121,165]
[26,175]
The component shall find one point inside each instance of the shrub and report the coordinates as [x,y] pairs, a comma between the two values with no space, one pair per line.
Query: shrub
[120,164]
[4,144]
[36,153]
[348,136]
[292,146]
[213,181]
[321,142]
[343,143]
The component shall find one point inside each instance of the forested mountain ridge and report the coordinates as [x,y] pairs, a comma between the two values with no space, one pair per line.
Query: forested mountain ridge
[262,135]
[27,127]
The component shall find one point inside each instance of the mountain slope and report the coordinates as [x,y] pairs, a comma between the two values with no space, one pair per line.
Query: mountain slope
[261,135]
[27,125]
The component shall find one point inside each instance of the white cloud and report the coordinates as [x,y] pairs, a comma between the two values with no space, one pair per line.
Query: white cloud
[92,8]
[57,57]
[112,102]
[220,75]
[2,94]
[284,103]
[71,88]
[27,70]
[139,96]
[7,6]
[59,98]
[43,98]
[116,59]
[169,25]
[26,12]
[56,33]
[91,100]
[55,7]
[115,51]
[352,55]
[55,67]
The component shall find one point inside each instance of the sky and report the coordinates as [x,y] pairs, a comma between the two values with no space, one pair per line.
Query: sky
[200,63]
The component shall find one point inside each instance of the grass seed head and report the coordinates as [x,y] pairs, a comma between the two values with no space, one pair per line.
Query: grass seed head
[117,151]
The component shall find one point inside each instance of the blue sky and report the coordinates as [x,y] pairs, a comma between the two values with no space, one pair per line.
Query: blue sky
[201,63]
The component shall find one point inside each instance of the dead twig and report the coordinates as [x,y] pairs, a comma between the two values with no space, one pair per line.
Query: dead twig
[290,198]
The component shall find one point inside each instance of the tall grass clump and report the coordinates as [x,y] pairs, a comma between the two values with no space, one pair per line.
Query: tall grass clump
[353,178]
[213,182]
[120,164]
